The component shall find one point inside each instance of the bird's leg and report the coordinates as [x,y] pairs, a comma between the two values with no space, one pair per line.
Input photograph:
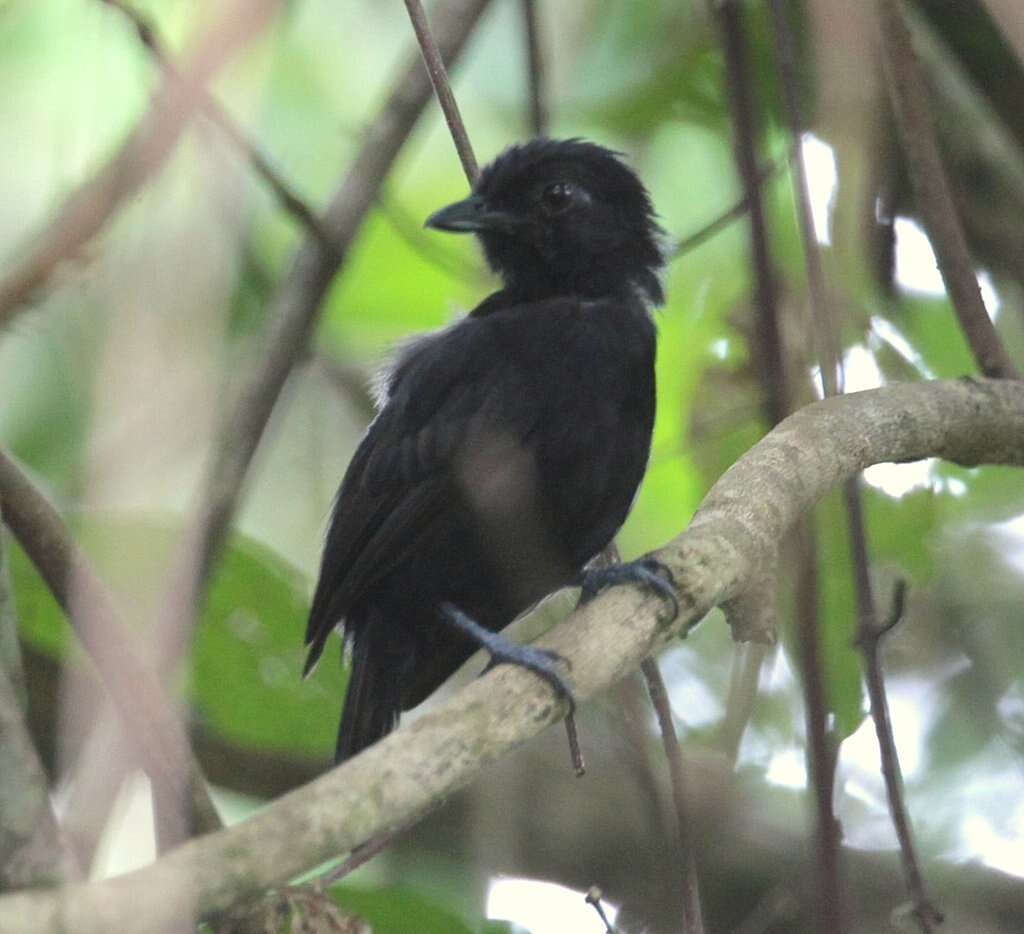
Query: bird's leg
[503,651]
[647,573]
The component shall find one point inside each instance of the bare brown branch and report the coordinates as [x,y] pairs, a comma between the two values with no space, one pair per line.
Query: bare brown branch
[434,61]
[30,848]
[536,71]
[931,190]
[869,634]
[692,918]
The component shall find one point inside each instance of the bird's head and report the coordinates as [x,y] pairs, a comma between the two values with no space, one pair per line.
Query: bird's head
[563,217]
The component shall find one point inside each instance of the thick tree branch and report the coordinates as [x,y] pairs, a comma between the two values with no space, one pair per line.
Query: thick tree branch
[140,156]
[721,559]
[931,191]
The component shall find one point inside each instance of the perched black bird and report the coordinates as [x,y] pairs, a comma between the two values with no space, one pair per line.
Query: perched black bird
[508,446]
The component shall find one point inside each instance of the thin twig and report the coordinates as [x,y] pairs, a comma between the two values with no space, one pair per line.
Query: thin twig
[716,225]
[832,379]
[748,660]
[87,210]
[31,850]
[293,317]
[411,231]
[434,61]
[536,71]
[869,635]
[593,898]
[822,749]
[935,203]
[358,857]
[767,348]
[148,714]
[350,381]
[767,343]
[828,354]
[32,853]
[821,746]
[692,918]
[214,111]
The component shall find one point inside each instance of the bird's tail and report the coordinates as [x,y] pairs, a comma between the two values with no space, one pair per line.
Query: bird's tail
[373,700]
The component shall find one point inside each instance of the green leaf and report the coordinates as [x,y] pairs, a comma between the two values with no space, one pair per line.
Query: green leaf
[243,672]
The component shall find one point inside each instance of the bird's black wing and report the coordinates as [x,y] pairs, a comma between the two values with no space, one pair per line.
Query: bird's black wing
[399,482]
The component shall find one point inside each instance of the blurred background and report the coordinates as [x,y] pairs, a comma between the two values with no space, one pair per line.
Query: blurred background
[112,379]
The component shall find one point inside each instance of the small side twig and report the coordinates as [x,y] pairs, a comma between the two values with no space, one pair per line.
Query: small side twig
[716,225]
[692,918]
[410,229]
[869,636]
[535,69]
[358,857]
[932,193]
[443,89]
[593,898]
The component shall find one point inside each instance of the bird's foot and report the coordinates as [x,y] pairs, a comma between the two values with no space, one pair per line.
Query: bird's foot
[646,573]
[542,662]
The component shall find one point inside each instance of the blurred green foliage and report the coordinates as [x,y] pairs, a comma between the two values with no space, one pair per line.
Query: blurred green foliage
[642,77]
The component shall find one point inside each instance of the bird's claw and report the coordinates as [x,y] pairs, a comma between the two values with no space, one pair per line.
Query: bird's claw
[647,573]
[542,662]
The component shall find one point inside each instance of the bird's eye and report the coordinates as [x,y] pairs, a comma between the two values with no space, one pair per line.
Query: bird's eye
[557,197]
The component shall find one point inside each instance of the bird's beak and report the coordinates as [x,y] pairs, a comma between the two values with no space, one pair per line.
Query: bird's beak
[472,215]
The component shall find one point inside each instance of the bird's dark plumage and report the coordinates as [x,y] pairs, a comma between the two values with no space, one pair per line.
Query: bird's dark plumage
[508,446]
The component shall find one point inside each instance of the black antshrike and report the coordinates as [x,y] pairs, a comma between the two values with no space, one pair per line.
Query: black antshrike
[508,446]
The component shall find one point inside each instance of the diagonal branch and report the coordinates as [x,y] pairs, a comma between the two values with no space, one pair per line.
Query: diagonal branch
[30,848]
[724,554]
[434,61]
[931,190]
[148,714]
[141,155]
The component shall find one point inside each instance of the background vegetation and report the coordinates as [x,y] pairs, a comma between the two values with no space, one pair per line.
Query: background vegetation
[113,375]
